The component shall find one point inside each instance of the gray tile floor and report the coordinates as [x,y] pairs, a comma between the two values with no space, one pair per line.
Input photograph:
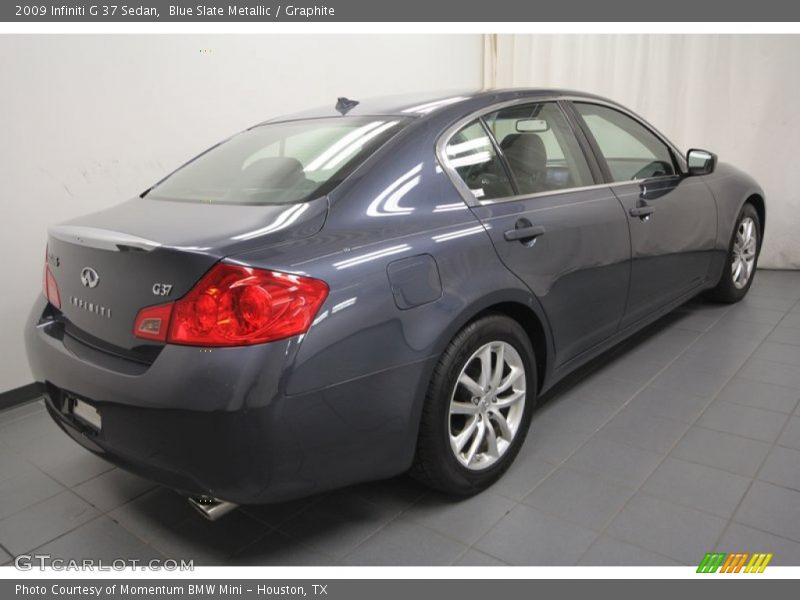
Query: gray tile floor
[683,440]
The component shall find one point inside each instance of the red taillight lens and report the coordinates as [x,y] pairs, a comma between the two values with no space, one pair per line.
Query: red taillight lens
[236,306]
[152,323]
[49,285]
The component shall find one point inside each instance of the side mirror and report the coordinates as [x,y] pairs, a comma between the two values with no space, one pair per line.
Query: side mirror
[701,162]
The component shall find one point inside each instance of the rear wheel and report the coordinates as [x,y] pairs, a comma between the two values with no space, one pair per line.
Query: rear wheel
[740,269]
[478,407]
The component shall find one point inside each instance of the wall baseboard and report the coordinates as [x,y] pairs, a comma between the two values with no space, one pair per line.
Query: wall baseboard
[20,395]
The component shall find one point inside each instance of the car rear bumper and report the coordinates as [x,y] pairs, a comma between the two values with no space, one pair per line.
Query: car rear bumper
[219,424]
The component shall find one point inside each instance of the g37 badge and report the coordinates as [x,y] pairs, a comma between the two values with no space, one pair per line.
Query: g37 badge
[162,289]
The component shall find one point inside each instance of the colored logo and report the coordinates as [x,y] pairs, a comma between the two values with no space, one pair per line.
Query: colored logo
[737,562]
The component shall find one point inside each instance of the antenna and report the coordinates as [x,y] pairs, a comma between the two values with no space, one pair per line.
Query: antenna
[345,105]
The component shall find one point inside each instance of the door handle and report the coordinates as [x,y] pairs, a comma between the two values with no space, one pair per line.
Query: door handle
[643,212]
[525,233]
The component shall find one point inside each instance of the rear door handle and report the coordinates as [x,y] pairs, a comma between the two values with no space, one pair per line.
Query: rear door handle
[642,211]
[523,234]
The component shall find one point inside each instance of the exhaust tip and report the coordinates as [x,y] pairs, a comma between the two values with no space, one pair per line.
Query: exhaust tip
[211,508]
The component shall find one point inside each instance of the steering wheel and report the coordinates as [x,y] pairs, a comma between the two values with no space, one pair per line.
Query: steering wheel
[656,168]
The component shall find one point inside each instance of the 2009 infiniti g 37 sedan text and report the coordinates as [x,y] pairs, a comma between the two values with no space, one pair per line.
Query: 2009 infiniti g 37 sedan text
[351,293]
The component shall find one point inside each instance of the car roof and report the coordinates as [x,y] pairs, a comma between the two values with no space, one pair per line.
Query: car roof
[421,105]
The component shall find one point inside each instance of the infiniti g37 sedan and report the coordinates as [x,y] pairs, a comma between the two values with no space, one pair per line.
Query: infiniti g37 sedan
[376,287]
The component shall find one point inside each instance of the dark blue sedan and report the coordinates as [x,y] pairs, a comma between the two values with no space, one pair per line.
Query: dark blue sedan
[347,294]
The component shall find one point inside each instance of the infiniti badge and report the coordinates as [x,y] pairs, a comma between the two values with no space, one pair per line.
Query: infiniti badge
[89,277]
[91,307]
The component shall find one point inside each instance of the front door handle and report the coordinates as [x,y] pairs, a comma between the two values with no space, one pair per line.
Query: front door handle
[525,233]
[643,212]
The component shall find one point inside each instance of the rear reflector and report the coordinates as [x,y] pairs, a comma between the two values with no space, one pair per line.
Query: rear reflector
[152,323]
[234,305]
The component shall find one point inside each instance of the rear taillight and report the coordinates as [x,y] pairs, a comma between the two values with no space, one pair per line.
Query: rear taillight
[152,323]
[235,306]
[49,285]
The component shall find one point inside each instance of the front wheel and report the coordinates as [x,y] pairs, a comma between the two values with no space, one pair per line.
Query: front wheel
[743,251]
[478,407]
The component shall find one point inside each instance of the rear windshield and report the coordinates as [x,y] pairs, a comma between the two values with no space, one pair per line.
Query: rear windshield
[279,163]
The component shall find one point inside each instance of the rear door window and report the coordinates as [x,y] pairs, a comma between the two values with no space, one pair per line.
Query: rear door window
[540,148]
[471,154]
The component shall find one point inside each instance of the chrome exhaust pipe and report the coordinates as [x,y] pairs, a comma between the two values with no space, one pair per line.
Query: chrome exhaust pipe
[211,508]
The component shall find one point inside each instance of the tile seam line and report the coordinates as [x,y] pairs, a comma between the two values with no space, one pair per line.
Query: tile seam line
[766,456]
[92,520]
[392,519]
[71,529]
[729,520]
[686,350]
[633,395]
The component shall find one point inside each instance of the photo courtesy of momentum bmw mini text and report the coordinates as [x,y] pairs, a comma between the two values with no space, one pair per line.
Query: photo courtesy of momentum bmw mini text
[126,589]
[365,299]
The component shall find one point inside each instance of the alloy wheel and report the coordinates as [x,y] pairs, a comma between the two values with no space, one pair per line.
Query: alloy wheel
[487,405]
[744,252]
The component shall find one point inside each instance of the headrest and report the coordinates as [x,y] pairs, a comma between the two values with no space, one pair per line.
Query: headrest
[525,152]
[274,171]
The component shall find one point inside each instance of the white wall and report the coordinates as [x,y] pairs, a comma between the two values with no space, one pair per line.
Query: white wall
[733,94]
[88,121]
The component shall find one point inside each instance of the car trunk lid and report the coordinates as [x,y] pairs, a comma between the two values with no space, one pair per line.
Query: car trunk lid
[111,264]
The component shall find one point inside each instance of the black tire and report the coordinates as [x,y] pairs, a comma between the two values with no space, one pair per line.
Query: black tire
[435,463]
[726,290]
